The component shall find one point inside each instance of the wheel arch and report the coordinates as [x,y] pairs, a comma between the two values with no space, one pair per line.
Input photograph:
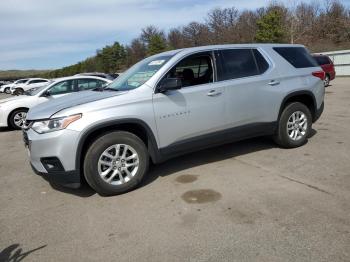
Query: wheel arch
[305,97]
[135,126]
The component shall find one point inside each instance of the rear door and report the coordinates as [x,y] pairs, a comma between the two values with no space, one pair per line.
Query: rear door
[248,80]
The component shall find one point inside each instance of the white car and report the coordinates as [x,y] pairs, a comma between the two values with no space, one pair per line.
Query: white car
[31,83]
[7,88]
[13,110]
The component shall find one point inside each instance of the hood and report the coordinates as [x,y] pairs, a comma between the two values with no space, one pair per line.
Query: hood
[14,98]
[54,105]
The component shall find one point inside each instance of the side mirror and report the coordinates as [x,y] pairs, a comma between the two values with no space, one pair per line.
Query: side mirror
[47,93]
[169,84]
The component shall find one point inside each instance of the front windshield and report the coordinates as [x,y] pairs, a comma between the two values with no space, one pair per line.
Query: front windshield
[36,90]
[139,73]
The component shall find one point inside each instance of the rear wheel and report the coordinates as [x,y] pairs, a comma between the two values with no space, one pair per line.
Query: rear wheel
[17,118]
[294,126]
[327,80]
[116,163]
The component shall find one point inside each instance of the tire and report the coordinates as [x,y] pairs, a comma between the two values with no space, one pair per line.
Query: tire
[7,90]
[288,139]
[327,80]
[19,91]
[17,117]
[120,182]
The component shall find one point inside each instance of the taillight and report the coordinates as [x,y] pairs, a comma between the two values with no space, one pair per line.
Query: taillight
[319,74]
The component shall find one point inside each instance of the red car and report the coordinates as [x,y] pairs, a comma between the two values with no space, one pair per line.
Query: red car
[328,67]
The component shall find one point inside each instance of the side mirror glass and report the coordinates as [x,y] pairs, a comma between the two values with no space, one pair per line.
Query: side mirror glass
[47,93]
[169,84]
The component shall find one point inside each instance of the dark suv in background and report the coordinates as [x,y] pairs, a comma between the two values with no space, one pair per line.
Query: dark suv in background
[328,67]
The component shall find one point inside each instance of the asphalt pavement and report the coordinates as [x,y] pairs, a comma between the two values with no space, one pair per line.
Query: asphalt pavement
[246,201]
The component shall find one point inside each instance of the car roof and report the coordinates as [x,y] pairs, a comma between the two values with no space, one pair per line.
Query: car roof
[214,47]
[79,77]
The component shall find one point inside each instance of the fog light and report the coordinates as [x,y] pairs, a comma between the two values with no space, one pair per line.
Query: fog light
[52,164]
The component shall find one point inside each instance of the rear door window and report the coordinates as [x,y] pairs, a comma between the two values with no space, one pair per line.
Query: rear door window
[237,63]
[38,81]
[87,84]
[298,57]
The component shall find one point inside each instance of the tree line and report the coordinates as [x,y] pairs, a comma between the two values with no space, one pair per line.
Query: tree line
[320,26]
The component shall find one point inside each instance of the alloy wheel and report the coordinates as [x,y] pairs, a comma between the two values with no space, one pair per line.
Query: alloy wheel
[297,126]
[19,119]
[118,164]
[326,81]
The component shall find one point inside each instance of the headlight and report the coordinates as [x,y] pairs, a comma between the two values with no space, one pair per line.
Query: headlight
[54,124]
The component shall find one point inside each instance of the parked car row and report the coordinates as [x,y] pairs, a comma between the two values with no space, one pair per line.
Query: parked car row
[166,105]
[13,110]
[22,85]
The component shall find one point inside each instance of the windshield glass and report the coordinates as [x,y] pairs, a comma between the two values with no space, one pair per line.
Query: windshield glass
[36,90]
[139,73]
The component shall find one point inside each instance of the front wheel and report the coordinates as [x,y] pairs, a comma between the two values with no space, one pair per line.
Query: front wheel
[116,163]
[18,92]
[7,90]
[294,126]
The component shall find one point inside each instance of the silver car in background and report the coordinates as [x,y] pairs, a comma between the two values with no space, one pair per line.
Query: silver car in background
[171,104]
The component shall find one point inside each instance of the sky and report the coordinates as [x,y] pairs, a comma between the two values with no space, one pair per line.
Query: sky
[49,34]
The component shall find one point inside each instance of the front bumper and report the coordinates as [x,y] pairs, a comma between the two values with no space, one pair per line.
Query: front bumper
[69,179]
[52,155]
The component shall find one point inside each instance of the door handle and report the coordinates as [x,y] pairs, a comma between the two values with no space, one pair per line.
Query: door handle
[213,93]
[274,83]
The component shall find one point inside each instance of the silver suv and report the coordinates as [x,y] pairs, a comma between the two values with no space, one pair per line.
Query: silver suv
[171,104]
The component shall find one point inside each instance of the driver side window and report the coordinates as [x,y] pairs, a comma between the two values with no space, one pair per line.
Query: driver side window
[62,88]
[193,70]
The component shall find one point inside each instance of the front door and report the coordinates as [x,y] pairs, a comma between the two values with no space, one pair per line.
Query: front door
[194,110]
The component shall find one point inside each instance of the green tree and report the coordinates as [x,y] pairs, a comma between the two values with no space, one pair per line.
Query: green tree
[270,27]
[156,45]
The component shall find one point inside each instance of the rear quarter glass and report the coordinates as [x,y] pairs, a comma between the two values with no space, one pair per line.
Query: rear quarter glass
[298,57]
